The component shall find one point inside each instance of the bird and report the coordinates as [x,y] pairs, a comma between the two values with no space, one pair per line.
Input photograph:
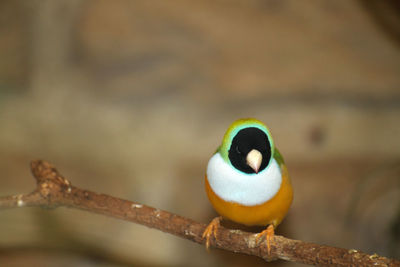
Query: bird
[247,181]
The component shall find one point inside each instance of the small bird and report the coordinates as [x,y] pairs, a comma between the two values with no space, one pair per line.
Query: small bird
[247,181]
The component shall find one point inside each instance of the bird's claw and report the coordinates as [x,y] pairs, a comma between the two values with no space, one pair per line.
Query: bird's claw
[269,234]
[211,229]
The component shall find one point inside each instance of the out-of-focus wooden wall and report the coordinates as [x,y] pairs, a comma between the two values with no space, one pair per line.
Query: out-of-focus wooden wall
[131,98]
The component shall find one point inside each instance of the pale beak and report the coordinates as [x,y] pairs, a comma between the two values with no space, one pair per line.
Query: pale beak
[254,159]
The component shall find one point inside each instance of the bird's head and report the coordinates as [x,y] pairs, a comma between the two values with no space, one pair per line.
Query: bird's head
[247,146]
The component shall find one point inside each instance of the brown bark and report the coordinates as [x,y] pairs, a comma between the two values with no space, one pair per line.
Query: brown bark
[53,190]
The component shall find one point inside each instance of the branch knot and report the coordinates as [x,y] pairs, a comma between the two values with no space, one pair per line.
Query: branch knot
[50,183]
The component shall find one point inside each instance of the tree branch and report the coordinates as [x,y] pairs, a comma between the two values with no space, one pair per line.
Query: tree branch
[53,190]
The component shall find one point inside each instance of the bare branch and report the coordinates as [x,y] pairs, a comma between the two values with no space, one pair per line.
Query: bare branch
[54,190]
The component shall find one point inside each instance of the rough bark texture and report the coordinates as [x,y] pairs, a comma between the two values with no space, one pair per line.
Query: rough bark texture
[53,190]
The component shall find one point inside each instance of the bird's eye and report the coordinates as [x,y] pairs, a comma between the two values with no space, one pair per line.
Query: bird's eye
[237,150]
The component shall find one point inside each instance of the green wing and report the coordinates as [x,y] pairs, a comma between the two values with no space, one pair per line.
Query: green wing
[278,157]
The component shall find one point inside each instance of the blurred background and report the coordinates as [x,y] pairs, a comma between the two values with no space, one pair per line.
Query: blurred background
[131,98]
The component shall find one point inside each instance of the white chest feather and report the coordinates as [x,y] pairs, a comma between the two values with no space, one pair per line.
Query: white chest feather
[245,189]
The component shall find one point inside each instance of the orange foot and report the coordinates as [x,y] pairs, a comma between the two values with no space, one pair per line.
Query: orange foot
[211,230]
[269,236]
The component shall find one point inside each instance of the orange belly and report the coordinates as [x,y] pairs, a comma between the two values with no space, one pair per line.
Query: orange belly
[271,212]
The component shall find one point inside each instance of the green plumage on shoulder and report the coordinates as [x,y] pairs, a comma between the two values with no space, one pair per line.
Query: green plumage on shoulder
[278,157]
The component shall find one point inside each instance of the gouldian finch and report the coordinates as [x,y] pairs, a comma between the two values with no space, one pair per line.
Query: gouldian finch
[247,181]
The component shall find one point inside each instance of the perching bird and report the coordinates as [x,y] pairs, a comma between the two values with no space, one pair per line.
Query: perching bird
[247,181]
